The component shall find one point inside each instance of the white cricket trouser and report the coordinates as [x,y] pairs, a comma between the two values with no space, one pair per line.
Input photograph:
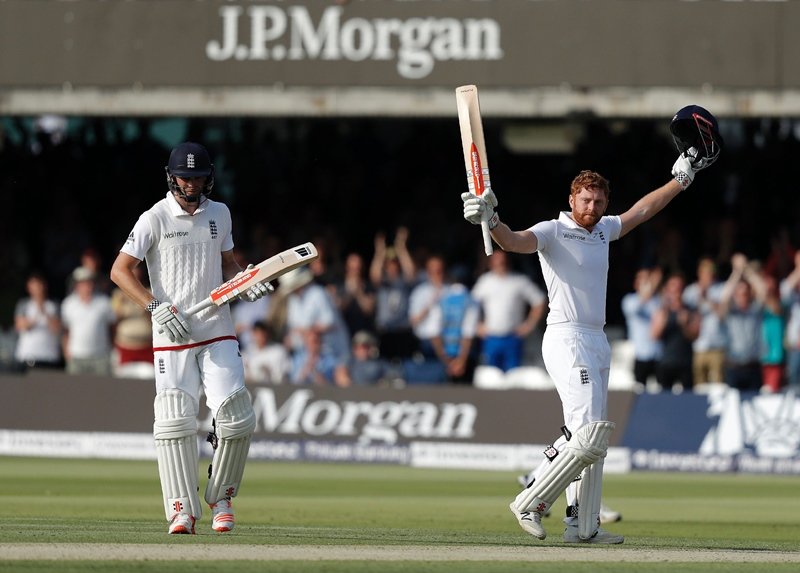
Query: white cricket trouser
[578,359]
[217,367]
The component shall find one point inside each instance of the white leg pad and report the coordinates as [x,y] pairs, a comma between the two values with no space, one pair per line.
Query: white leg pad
[233,425]
[589,494]
[175,433]
[588,445]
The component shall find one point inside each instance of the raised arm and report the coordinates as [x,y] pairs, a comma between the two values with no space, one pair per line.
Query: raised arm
[646,207]
[510,241]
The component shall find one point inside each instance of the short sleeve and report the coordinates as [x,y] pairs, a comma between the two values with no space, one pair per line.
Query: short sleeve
[544,232]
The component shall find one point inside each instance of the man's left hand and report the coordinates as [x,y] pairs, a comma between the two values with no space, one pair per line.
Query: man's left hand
[256,291]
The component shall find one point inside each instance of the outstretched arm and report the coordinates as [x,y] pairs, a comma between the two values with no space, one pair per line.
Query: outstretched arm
[646,207]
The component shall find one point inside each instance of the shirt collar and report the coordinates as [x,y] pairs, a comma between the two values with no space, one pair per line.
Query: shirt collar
[566,218]
[176,210]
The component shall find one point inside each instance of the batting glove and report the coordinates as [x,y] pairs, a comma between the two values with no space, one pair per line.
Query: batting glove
[683,171]
[477,209]
[256,291]
[171,322]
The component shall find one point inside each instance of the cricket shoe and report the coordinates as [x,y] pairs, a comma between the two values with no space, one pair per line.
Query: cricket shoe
[222,515]
[182,523]
[530,521]
[608,515]
[601,536]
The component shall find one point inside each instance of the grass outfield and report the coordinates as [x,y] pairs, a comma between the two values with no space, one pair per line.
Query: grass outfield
[93,515]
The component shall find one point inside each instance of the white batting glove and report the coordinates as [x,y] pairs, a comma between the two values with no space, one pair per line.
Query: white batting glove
[256,291]
[170,321]
[683,171]
[477,209]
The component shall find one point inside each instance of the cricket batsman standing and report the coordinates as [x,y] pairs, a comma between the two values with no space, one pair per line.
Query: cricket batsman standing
[573,252]
[187,244]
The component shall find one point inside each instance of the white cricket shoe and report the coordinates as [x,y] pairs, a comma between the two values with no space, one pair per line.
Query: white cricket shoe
[608,515]
[601,536]
[530,521]
[182,523]
[222,515]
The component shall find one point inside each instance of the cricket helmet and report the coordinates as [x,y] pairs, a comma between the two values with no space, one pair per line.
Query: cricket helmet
[189,160]
[695,132]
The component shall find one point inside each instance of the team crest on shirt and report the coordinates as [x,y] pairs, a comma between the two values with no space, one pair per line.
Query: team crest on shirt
[584,376]
[212,226]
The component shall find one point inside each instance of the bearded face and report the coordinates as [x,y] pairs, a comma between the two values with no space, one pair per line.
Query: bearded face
[588,205]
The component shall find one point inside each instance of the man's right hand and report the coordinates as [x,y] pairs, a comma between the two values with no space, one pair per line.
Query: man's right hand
[477,209]
[172,322]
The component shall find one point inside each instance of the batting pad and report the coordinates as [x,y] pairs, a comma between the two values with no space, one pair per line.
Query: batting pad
[175,432]
[233,426]
[588,445]
[589,497]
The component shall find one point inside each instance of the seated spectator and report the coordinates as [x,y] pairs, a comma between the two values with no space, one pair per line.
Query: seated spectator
[310,307]
[365,366]
[133,333]
[88,322]
[676,326]
[38,326]
[265,360]
[311,364]
[741,308]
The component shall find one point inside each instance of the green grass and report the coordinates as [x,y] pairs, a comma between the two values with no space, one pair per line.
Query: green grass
[119,502]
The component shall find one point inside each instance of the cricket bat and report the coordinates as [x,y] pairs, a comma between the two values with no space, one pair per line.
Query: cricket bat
[263,272]
[474,147]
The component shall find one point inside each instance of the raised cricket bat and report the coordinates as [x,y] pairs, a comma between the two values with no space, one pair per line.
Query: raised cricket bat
[265,271]
[475,159]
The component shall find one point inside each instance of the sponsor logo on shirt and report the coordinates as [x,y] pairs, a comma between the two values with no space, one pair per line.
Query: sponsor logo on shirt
[175,234]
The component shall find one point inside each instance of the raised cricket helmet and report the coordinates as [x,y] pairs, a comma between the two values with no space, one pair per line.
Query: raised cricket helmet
[188,160]
[695,132]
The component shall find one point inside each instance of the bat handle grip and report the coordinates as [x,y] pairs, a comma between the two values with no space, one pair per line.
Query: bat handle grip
[203,304]
[487,238]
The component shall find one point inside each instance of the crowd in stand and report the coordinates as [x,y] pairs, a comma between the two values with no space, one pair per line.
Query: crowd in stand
[392,320]
[742,330]
[75,183]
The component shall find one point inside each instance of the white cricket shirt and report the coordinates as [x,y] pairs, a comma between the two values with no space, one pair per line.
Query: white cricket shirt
[184,261]
[575,268]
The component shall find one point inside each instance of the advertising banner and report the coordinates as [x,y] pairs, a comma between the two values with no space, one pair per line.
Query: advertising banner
[140,44]
[722,431]
[431,426]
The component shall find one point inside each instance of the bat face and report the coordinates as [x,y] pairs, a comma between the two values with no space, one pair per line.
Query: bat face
[477,171]
[474,148]
[265,271]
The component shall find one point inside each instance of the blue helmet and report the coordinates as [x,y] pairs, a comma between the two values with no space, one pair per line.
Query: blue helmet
[189,160]
[696,135]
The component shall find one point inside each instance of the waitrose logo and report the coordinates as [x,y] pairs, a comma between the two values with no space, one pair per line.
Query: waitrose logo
[385,422]
[260,32]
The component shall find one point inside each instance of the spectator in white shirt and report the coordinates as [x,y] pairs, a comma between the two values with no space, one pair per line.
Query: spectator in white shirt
[88,322]
[38,326]
[504,297]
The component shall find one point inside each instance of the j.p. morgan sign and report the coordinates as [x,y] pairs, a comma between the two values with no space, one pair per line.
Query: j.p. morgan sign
[385,421]
[414,44]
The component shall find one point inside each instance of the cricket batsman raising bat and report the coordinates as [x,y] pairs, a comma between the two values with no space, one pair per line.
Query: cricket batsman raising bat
[475,159]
